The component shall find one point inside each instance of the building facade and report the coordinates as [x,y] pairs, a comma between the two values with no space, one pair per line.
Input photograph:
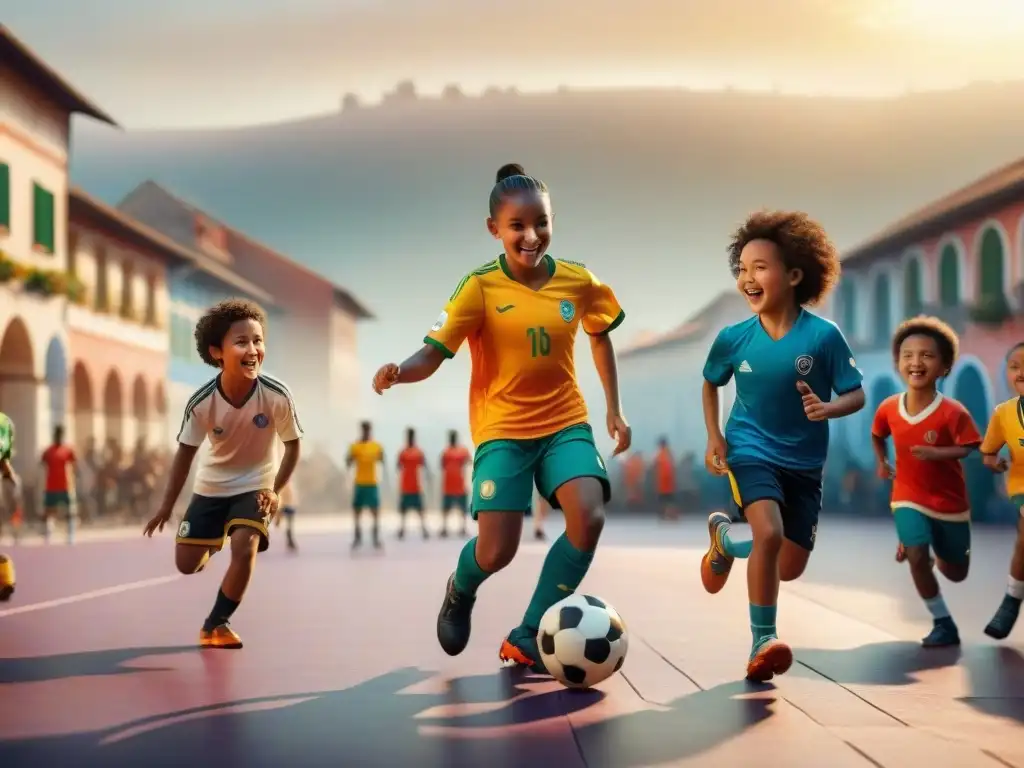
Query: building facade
[961,259]
[36,105]
[312,333]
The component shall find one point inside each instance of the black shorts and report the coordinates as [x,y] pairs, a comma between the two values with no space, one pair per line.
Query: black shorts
[211,519]
[796,491]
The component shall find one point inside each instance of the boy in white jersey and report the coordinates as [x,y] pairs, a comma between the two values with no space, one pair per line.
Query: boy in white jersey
[243,412]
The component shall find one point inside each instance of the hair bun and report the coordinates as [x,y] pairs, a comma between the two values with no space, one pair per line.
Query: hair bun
[509,169]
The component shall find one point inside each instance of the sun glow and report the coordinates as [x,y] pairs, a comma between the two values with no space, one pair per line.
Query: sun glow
[974,21]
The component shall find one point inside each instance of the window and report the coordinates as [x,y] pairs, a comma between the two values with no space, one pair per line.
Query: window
[883,308]
[5,196]
[913,302]
[990,267]
[949,277]
[848,308]
[43,221]
[101,297]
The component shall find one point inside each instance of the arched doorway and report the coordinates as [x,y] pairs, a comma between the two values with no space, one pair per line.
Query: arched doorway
[57,381]
[160,434]
[882,309]
[140,410]
[970,387]
[113,409]
[18,391]
[83,405]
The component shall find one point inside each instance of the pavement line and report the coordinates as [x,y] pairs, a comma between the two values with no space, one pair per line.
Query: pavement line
[81,597]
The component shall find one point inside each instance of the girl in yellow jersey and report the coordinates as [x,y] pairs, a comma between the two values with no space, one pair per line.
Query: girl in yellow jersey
[1007,428]
[520,314]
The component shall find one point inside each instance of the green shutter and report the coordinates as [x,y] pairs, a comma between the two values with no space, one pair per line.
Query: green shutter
[43,218]
[5,196]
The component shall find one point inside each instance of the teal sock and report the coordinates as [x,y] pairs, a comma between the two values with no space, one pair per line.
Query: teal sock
[563,570]
[468,573]
[762,622]
[734,548]
[937,607]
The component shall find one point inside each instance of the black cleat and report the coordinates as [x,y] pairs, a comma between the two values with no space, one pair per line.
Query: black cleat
[454,621]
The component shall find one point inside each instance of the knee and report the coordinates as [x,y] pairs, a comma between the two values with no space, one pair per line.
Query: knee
[494,556]
[955,572]
[918,556]
[245,544]
[767,536]
[189,559]
[791,570]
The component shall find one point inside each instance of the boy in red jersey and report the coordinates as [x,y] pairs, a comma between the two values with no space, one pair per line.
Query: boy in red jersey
[59,460]
[410,461]
[931,433]
[453,470]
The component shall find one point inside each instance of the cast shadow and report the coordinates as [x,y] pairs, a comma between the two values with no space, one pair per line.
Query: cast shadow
[107,662]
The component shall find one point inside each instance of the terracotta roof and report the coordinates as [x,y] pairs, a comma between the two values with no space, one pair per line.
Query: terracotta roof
[84,207]
[341,295]
[32,68]
[971,201]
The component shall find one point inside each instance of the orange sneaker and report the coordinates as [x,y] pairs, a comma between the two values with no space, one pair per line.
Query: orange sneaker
[772,657]
[6,578]
[219,637]
[716,564]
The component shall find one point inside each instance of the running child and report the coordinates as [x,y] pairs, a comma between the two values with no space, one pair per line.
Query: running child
[1007,428]
[242,412]
[8,496]
[411,462]
[289,506]
[60,461]
[365,454]
[520,314]
[931,433]
[787,362]
[453,470]
[664,470]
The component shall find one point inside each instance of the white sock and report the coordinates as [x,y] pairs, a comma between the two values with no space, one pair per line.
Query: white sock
[1015,588]
[937,607]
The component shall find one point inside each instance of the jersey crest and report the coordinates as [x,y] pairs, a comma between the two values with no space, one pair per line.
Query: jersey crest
[804,363]
[567,310]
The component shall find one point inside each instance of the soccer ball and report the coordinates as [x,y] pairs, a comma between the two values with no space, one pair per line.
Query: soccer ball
[582,641]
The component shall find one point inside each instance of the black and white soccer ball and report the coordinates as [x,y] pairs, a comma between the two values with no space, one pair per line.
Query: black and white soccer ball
[582,641]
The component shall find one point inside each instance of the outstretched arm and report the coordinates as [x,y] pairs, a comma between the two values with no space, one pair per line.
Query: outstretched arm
[608,371]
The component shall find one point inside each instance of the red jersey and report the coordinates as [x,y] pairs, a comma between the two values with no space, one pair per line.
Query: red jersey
[935,488]
[409,462]
[453,466]
[665,471]
[56,458]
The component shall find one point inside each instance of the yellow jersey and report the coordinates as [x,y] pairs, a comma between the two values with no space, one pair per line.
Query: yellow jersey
[521,344]
[366,456]
[1006,427]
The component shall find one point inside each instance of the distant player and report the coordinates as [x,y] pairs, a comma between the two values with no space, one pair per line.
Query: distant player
[541,510]
[242,412]
[664,467]
[411,465]
[1007,428]
[59,462]
[8,495]
[931,434]
[289,498]
[453,472]
[365,454]
[787,363]
[520,314]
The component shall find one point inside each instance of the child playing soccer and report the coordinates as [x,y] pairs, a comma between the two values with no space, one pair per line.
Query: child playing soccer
[242,412]
[289,499]
[411,462]
[453,469]
[787,363]
[8,495]
[366,453]
[59,461]
[1007,428]
[520,314]
[931,434]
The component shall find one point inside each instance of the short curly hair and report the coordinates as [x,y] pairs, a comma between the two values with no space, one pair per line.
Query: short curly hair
[946,340]
[804,245]
[215,323]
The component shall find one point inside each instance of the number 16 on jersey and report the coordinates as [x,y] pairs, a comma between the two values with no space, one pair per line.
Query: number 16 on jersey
[540,342]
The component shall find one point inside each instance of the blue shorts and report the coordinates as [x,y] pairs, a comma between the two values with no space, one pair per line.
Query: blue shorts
[288,511]
[950,540]
[796,491]
[455,501]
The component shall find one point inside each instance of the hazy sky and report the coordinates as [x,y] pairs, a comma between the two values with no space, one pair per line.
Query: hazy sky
[230,62]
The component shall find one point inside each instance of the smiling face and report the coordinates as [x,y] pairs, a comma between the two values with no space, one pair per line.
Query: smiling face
[1015,370]
[523,222]
[920,362]
[241,351]
[763,278]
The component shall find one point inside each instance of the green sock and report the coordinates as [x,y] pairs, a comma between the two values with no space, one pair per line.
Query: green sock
[762,623]
[734,548]
[468,573]
[563,570]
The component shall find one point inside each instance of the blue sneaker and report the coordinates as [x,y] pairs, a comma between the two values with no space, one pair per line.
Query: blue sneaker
[944,633]
[1006,616]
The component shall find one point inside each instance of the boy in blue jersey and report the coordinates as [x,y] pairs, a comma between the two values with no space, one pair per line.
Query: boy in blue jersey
[787,363]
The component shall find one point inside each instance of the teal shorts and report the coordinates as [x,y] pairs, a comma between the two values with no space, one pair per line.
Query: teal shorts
[505,471]
[411,501]
[950,540]
[455,501]
[54,499]
[1018,502]
[366,497]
